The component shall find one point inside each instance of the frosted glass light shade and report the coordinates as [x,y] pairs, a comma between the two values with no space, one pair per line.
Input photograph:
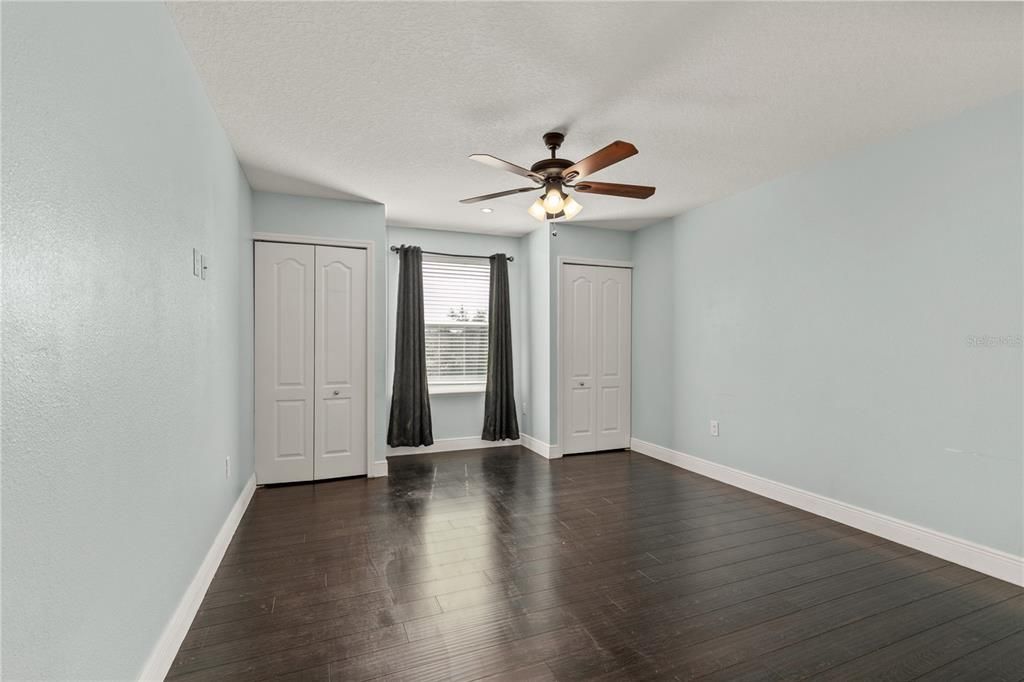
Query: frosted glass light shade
[572,207]
[537,210]
[553,201]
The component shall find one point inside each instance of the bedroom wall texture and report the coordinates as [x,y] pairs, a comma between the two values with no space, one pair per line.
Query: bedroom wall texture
[127,381]
[855,328]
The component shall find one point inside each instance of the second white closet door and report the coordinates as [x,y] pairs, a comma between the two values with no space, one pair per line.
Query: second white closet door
[595,362]
[340,363]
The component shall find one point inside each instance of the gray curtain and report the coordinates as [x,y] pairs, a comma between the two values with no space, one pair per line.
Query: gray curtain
[410,401]
[500,422]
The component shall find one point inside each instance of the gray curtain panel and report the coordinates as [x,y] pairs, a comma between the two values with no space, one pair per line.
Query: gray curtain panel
[500,422]
[410,400]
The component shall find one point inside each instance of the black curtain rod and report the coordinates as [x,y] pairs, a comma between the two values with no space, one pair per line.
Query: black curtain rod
[453,255]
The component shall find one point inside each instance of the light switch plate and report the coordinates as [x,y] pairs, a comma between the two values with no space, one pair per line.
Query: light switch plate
[202,269]
[197,263]
[714,427]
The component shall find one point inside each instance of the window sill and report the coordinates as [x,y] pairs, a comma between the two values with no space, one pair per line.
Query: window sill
[453,389]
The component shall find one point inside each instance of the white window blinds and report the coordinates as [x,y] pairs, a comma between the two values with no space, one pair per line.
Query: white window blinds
[455,296]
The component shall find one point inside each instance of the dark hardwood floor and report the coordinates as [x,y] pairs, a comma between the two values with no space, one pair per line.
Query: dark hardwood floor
[499,564]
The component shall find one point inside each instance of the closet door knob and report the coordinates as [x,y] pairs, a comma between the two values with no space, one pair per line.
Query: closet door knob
[337,392]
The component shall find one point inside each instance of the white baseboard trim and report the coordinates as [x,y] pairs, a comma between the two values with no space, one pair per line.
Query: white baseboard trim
[987,560]
[166,648]
[451,445]
[379,470]
[540,447]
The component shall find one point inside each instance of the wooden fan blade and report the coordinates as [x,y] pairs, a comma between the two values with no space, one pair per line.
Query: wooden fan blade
[495,162]
[485,197]
[602,158]
[615,189]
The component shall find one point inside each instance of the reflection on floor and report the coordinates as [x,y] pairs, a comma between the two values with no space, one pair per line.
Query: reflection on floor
[501,563]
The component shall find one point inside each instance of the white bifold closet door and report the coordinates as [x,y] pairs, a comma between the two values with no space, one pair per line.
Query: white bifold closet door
[310,352]
[595,358]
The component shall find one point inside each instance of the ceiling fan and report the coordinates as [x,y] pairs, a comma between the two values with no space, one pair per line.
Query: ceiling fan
[554,175]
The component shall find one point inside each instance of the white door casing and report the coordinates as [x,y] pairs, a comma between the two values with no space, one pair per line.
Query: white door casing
[284,277]
[340,362]
[594,367]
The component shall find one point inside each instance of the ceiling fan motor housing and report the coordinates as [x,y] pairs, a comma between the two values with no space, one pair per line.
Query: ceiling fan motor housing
[551,168]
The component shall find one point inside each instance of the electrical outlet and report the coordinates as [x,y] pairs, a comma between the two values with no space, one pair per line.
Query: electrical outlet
[227,467]
[197,263]
[714,427]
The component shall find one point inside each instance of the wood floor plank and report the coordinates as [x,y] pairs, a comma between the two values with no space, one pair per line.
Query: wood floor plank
[936,647]
[1001,661]
[649,625]
[741,641]
[298,658]
[344,621]
[537,672]
[481,663]
[439,652]
[817,654]
[501,565]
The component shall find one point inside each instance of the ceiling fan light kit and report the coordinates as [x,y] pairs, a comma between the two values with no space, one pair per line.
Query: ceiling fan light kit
[537,210]
[554,200]
[555,174]
[571,208]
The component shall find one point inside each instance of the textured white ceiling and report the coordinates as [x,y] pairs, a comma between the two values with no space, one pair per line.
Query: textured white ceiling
[384,101]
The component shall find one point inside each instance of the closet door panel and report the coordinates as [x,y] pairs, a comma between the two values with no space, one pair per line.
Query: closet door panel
[284,310]
[613,371]
[341,372]
[579,340]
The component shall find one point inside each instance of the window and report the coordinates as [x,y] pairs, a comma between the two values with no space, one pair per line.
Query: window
[455,297]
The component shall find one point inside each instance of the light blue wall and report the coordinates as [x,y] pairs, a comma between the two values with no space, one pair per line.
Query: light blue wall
[127,381]
[580,241]
[536,405]
[576,241]
[338,219]
[825,320]
[456,415]
[655,283]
